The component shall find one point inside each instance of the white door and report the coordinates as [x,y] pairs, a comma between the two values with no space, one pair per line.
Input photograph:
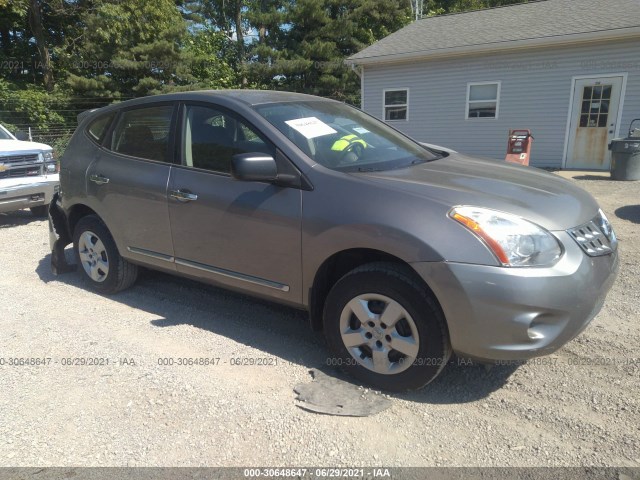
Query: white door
[594,114]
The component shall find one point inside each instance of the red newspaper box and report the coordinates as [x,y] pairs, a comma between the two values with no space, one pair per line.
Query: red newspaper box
[519,146]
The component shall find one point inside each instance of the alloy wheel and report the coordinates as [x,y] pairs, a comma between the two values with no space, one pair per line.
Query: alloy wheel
[379,333]
[93,256]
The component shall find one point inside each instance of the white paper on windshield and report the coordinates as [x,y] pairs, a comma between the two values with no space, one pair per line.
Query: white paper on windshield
[310,127]
[360,130]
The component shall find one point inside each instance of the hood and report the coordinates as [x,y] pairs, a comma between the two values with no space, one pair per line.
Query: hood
[536,195]
[18,146]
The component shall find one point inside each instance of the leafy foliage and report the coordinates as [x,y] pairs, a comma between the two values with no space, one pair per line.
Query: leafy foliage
[131,48]
[439,7]
[61,57]
[211,56]
[307,53]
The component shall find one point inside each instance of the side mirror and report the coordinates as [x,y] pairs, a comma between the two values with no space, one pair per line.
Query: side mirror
[20,135]
[254,167]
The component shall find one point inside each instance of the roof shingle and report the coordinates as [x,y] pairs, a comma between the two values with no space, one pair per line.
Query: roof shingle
[539,20]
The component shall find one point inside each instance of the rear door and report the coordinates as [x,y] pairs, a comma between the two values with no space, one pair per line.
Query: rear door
[128,183]
[244,235]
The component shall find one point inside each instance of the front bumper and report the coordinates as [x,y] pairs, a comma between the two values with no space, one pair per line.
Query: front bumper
[26,193]
[59,237]
[497,313]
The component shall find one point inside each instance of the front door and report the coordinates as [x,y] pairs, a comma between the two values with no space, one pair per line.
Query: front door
[244,235]
[594,114]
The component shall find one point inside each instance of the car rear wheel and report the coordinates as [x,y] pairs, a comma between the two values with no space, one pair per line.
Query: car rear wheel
[385,328]
[96,251]
[40,210]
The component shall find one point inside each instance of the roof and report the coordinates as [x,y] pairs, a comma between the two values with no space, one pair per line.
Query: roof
[257,97]
[230,97]
[247,97]
[538,23]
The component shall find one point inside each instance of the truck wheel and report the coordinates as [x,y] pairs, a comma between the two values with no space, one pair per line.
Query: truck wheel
[96,251]
[40,210]
[385,328]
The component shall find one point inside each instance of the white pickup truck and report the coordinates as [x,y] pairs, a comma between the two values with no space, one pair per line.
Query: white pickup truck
[28,175]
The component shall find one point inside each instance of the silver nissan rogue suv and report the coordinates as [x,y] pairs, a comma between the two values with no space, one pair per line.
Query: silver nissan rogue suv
[402,254]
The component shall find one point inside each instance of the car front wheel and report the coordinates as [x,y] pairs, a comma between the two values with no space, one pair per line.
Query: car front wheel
[96,251]
[385,328]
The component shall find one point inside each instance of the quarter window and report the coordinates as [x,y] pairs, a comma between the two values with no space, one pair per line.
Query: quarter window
[144,133]
[396,104]
[99,126]
[212,137]
[483,100]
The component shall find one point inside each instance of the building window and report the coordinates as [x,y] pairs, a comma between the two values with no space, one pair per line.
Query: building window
[483,100]
[396,104]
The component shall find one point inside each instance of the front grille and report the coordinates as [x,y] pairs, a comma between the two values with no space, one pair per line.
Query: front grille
[31,158]
[12,166]
[31,171]
[592,239]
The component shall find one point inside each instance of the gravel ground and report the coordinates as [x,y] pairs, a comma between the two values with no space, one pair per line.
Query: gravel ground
[577,407]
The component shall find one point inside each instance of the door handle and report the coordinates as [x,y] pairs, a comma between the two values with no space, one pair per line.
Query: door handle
[183,195]
[99,179]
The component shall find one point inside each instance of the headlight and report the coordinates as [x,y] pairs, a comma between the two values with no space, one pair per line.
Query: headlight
[514,241]
[607,229]
[51,165]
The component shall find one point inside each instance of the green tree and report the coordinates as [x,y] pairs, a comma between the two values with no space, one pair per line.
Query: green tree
[212,56]
[268,20]
[49,115]
[439,7]
[131,48]
[226,17]
[31,33]
[320,34]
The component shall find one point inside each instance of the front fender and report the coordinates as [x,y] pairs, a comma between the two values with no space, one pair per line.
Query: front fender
[320,246]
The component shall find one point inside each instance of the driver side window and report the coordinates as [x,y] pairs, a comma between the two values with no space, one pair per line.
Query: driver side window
[212,137]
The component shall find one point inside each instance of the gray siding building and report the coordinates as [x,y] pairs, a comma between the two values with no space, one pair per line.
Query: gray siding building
[569,70]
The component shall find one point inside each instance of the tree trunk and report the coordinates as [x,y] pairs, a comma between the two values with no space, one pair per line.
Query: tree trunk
[262,29]
[5,37]
[240,39]
[35,23]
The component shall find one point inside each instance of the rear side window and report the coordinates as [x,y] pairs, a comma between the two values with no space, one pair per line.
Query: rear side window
[143,133]
[99,126]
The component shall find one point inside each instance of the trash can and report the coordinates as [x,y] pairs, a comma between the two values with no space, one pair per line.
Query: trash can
[625,156]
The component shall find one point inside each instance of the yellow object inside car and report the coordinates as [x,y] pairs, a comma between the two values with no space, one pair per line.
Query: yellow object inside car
[347,141]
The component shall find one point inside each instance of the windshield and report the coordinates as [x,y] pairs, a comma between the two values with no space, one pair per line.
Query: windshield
[4,135]
[341,137]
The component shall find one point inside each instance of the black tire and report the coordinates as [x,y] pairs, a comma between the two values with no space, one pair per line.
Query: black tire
[398,283]
[40,211]
[119,274]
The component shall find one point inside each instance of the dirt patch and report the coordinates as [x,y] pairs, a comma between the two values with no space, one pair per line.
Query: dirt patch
[158,375]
